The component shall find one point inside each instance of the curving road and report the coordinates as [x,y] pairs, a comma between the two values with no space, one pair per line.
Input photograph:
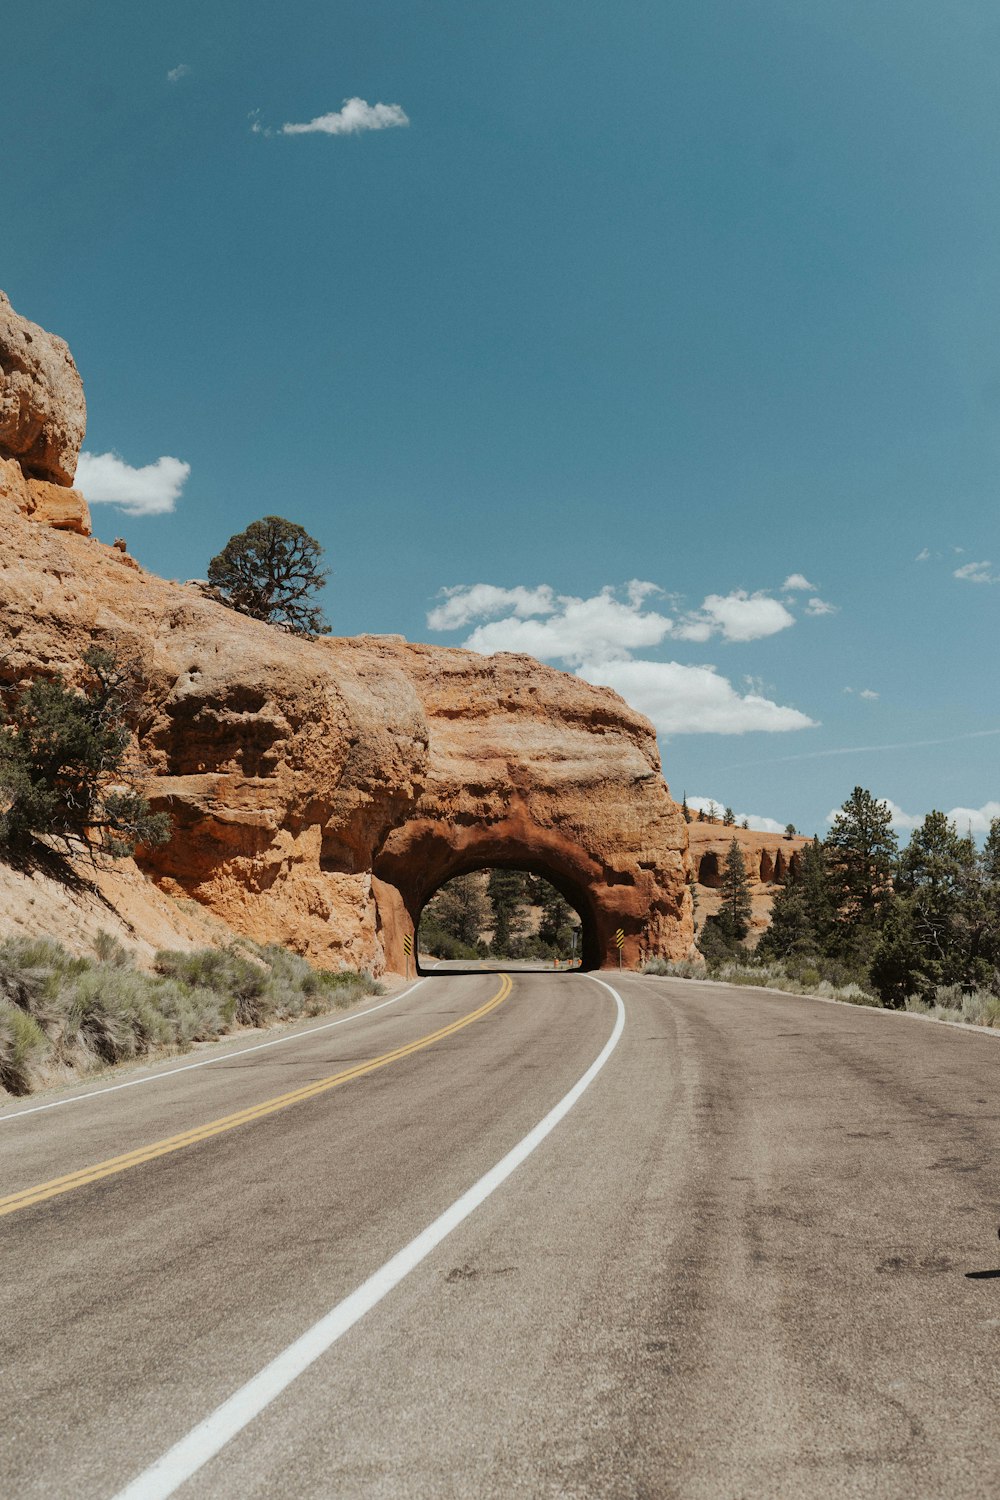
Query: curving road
[756,1256]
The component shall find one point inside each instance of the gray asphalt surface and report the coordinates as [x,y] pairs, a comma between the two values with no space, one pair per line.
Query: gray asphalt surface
[758,1258]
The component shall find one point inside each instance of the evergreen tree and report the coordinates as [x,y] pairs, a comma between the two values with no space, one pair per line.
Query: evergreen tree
[737,907]
[728,818]
[460,909]
[64,768]
[270,572]
[507,893]
[685,810]
[990,867]
[556,925]
[802,917]
[861,851]
[935,928]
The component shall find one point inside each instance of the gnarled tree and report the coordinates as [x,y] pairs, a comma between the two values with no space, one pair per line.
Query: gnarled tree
[270,572]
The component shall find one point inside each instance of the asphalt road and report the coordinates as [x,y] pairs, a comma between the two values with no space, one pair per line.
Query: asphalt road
[757,1257]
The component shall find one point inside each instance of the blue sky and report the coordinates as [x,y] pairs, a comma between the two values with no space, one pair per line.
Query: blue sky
[703,297]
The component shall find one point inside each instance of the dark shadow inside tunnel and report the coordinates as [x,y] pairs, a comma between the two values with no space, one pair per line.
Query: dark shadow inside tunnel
[500,915]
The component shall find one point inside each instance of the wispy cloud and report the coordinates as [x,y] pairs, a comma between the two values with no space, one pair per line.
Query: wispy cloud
[923,555]
[869,694]
[174,75]
[797,583]
[355,116]
[153,490]
[976,572]
[779,760]
[484,601]
[818,607]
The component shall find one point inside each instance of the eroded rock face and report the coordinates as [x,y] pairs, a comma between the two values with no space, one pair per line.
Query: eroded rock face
[43,415]
[321,791]
[768,858]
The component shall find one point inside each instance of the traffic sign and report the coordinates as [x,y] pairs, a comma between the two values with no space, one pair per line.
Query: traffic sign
[619,938]
[407,945]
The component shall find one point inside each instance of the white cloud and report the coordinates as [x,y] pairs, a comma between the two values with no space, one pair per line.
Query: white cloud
[599,637]
[752,820]
[869,694]
[820,607]
[796,583]
[923,555]
[976,820]
[106,479]
[738,616]
[355,116]
[598,629]
[174,75]
[976,572]
[483,601]
[691,700]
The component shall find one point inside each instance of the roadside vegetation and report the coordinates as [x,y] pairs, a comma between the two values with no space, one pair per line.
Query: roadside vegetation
[859,919]
[499,914]
[59,1012]
[69,772]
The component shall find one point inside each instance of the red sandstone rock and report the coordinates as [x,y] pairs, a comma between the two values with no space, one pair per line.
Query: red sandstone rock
[43,415]
[321,791]
[767,856]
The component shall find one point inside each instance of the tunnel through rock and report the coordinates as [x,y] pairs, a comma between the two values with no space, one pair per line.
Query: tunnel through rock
[500,913]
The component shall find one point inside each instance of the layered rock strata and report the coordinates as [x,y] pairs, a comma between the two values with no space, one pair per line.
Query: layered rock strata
[768,858]
[322,790]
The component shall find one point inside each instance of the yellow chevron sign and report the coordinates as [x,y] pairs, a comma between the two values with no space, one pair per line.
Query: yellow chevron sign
[407,945]
[619,939]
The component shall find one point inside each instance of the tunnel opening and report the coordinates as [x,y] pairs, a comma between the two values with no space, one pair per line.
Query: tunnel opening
[507,913]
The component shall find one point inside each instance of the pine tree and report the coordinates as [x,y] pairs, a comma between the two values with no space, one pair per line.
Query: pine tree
[460,909]
[737,906]
[728,818]
[861,851]
[64,763]
[802,917]
[935,924]
[270,572]
[507,891]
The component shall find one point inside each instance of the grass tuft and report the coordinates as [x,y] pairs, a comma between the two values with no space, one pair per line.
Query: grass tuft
[60,1011]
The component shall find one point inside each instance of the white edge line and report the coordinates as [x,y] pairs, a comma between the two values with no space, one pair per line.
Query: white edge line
[203,1442]
[871,1010]
[206,1062]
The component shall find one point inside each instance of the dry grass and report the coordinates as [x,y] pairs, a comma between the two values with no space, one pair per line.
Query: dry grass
[60,1012]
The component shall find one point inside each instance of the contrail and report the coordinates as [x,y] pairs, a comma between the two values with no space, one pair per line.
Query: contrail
[952,739]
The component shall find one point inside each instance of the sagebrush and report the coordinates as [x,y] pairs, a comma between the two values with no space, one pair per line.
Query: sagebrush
[59,1011]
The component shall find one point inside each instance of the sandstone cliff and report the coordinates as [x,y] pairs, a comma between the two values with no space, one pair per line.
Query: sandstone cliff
[768,858]
[322,790]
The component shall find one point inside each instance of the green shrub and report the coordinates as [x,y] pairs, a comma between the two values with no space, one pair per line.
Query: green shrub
[22,1043]
[85,1013]
[63,762]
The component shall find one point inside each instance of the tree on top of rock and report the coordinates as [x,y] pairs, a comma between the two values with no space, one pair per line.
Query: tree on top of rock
[270,572]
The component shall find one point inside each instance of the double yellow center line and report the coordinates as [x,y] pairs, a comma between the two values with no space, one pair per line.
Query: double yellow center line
[38,1194]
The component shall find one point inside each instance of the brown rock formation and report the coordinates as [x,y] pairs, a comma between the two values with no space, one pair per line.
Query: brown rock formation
[768,857]
[322,791]
[43,415]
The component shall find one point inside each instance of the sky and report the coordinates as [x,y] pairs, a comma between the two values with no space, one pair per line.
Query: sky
[658,340]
